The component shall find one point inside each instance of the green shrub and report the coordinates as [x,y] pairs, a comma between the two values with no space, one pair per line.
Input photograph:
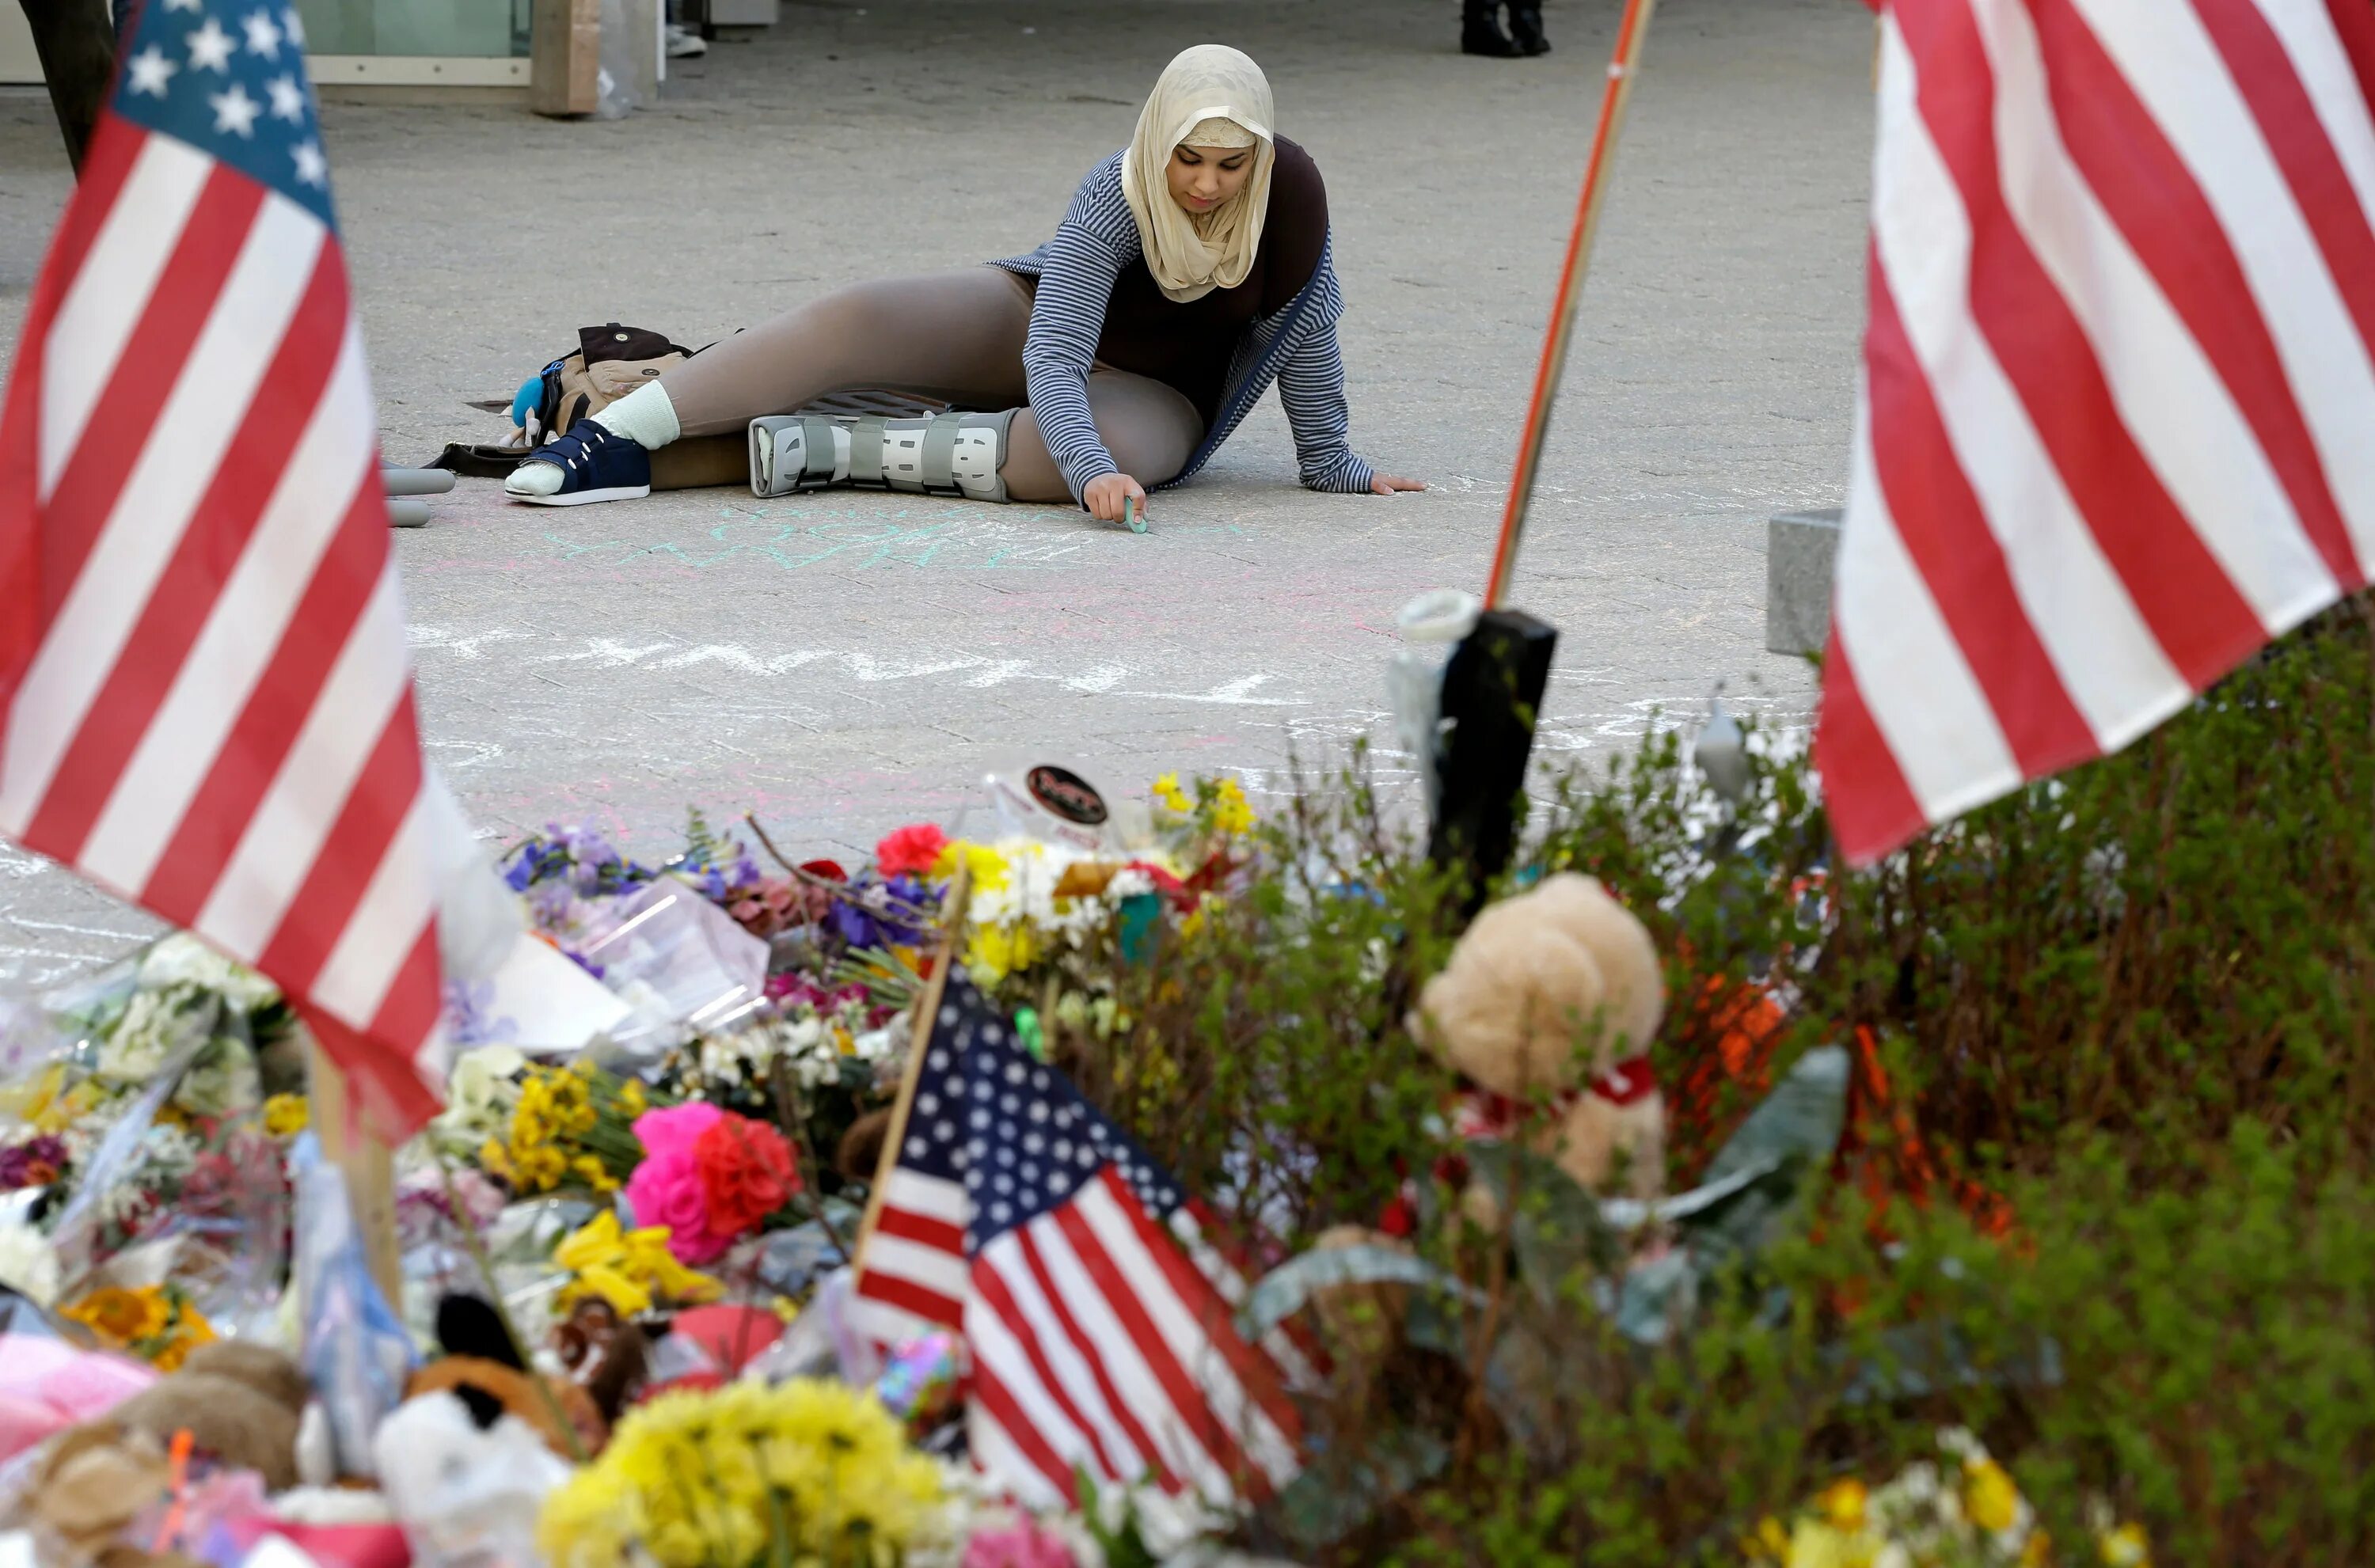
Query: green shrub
[2136,1000]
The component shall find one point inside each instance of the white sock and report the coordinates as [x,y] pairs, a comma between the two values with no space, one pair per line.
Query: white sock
[533,478]
[645,417]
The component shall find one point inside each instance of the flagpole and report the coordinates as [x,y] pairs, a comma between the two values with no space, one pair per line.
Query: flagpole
[1631,33]
[928,1011]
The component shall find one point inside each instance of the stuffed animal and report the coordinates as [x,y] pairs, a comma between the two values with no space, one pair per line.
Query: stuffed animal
[466,1478]
[241,1402]
[482,1367]
[1557,993]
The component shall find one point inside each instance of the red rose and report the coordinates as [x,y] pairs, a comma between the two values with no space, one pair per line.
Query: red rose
[746,1173]
[911,851]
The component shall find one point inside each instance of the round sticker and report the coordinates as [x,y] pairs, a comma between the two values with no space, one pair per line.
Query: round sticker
[1068,795]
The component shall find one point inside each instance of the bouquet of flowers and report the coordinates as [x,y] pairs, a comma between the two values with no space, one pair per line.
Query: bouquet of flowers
[709,1177]
[568,1128]
[747,1475]
[1965,1513]
[157,1322]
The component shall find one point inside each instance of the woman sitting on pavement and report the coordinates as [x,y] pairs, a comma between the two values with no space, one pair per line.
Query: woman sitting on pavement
[1192,271]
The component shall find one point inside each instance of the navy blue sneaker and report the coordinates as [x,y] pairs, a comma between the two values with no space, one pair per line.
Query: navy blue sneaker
[596,464]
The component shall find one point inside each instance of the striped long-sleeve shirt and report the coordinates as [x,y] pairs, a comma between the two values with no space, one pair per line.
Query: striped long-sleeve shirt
[1295,346]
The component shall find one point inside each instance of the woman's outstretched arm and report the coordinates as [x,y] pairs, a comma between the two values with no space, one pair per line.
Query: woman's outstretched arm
[1311,385]
[1076,280]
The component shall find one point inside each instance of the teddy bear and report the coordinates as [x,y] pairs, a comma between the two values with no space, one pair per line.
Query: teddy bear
[1556,993]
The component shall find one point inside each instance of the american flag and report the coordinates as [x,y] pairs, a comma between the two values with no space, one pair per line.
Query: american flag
[1018,1216]
[2116,426]
[202,661]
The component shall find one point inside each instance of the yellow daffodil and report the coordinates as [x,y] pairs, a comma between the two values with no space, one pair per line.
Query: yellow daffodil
[630,1269]
[1843,1503]
[286,1116]
[1167,791]
[1231,812]
[1990,1497]
[2126,1548]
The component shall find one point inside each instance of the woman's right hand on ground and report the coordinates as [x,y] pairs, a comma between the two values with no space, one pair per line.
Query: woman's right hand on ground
[1106,492]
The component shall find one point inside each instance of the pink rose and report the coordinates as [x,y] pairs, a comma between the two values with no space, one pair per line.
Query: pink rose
[666,1190]
[911,851]
[1022,1545]
[674,1130]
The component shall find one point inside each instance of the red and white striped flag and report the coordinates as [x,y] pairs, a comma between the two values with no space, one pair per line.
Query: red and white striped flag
[204,698]
[1017,1216]
[2116,426]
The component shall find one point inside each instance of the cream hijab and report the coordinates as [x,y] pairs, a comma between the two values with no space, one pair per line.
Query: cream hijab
[1222,97]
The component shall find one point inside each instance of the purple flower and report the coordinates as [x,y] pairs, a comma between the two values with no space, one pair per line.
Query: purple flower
[863,914]
[36,1162]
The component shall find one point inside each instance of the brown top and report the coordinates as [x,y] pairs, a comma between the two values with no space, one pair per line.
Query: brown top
[1188,347]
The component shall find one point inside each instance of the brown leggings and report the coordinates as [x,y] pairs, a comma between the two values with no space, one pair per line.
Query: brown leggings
[955,337]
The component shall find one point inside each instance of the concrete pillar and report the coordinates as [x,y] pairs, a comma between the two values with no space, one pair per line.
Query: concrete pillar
[1800,550]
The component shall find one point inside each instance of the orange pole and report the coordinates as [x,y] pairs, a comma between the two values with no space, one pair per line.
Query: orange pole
[1622,66]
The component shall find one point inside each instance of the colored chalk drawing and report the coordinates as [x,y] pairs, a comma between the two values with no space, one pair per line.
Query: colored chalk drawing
[960,536]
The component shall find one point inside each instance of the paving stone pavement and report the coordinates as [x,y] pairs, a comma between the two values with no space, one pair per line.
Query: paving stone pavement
[844,661]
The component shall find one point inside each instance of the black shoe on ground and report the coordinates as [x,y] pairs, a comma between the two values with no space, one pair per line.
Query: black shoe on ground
[1526,27]
[1480,30]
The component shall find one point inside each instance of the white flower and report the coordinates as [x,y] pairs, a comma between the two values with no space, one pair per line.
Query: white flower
[182,959]
[479,1095]
[155,1024]
[28,1264]
[221,1080]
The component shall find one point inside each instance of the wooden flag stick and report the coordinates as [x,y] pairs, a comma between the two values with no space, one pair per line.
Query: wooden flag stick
[368,1165]
[928,1013]
[1630,35]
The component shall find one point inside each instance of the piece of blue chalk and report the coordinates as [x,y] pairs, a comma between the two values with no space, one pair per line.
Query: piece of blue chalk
[1129,515]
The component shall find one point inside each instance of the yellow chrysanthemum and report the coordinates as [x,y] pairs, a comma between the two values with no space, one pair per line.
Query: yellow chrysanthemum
[632,1099]
[994,951]
[593,1174]
[805,1471]
[989,868]
[2126,1548]
[1815,1544]
[1167,791]
[286,1116]
[1990,1497]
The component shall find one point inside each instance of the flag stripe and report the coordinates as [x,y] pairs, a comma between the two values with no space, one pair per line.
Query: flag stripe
[1132,1305]
[113,311]
[1100,1370]
[2119,392]
[1915,683]
[1009,1284]
[991,1423]
[1154,1384]
[148,502]
[1872,809]
[286,404]
[294,822]
[2235,301]
[204,698]
[2194,610]
[1244,1400]
[920,1302]
[2107,657]
[921,1229]
[322,487]
[2300,109]
[277,703]
[325,892]
[1945,532]
[1006,1348]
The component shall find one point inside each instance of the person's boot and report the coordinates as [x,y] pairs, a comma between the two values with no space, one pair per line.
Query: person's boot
[1526,27]
[1480,30]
